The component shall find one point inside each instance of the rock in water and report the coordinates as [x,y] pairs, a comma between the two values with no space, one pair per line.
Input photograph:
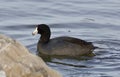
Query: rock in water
[16,61]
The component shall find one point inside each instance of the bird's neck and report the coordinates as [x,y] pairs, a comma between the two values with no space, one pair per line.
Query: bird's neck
[44,38]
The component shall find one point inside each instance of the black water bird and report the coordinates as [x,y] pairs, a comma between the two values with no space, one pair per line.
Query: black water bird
[61,46]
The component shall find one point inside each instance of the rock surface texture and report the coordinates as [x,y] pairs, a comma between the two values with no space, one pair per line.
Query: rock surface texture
[16,61]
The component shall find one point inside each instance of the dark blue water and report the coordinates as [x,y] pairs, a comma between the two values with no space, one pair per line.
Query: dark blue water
[96,21]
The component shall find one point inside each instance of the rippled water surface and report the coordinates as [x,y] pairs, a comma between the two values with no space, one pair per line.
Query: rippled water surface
[96,21]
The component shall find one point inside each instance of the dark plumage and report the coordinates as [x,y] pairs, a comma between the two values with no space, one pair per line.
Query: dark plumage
[61,46]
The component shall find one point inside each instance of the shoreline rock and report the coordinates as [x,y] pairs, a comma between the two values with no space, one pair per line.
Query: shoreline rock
[16,61]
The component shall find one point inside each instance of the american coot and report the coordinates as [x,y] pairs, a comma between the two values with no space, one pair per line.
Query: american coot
[61,46]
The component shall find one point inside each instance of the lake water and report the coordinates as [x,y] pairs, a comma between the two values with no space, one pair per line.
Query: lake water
[97,21]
